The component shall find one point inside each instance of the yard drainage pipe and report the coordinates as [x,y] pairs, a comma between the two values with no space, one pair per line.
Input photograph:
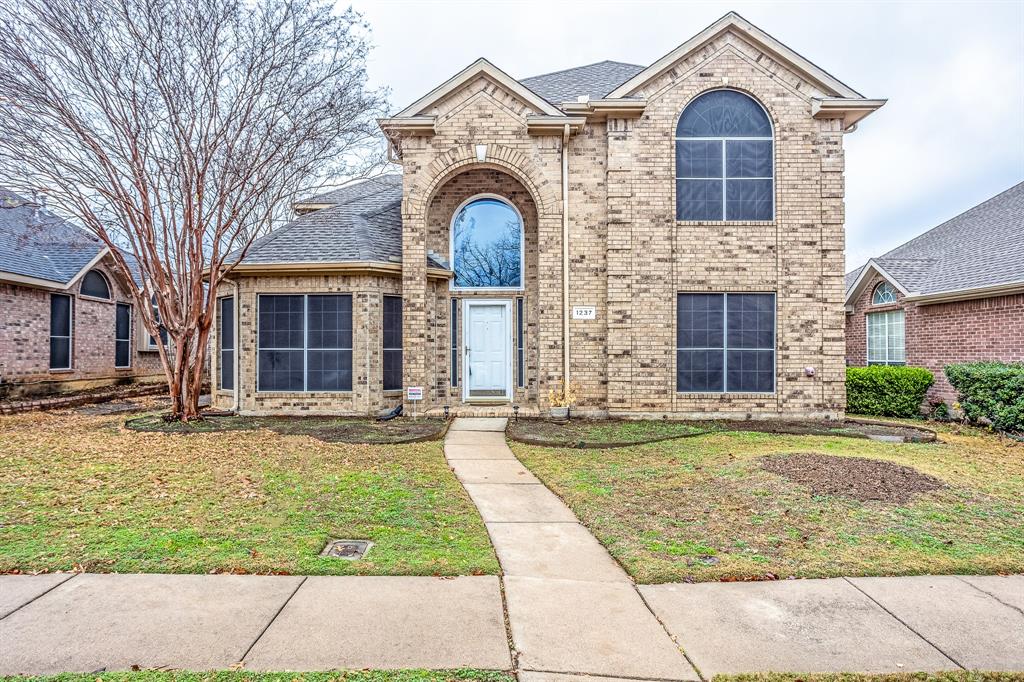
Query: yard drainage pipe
[565,258]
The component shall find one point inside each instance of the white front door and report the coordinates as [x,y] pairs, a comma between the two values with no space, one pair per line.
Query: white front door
[487,339]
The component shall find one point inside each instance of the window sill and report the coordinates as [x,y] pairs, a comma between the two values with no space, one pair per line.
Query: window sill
[392,392]
[725,223]
[66,370]
[97,299]
[303,394]
[724,394]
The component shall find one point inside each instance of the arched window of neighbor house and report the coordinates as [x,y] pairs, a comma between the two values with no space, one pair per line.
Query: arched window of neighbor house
[724,159]
[487,245]
[884,293]
[95,284]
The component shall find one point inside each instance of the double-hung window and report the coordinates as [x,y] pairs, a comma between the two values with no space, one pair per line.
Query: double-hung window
[305,343]
[123,336]
[61,322]
[886,339]
[227,343]
[392,343]
[725,343]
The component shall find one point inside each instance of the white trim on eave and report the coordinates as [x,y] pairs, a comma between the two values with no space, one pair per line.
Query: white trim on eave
[461,78]
[26,280]
[855,290]
[949,295]
[741,26]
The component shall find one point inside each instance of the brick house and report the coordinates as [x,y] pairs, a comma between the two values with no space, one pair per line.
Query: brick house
[953,294]
[66,318]
[668,237]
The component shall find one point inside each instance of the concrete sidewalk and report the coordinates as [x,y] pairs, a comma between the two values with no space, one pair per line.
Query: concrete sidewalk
[571,610]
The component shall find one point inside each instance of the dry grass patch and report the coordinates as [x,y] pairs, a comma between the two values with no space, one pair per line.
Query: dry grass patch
[706,508]
[82,492]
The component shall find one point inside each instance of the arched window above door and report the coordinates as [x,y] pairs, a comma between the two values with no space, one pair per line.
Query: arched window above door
[724,159]
[487,245]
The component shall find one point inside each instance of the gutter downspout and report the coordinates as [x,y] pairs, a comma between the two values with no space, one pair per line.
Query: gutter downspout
[565,258]
[234,356]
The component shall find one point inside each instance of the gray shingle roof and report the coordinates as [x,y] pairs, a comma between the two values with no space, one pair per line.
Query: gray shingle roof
[364,224]
[36,243]
[981,247]
[592,80]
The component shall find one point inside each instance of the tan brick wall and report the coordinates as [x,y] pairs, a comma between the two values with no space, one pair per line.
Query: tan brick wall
[25,338]
[366,396]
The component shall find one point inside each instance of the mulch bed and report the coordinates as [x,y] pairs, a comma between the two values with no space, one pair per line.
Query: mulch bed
[579,433]
[856,477]
[327,429]
[850,428]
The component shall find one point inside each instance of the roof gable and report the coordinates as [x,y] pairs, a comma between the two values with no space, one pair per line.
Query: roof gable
[737,24]
[479,67]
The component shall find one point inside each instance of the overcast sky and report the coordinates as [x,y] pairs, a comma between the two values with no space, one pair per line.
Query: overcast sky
[951,135]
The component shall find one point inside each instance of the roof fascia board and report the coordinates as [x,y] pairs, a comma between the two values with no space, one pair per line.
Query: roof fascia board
[966,294]
[554,125]
[850,110]
[491,71]
[25,280]
[409,124]
[345,267]
[754,34]
[622,108]
[854,291]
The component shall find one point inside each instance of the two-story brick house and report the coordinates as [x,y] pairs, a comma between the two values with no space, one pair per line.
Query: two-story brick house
[669,237]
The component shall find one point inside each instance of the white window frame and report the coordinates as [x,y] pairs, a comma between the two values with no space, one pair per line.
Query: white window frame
[867,337]
[131,323]
[725,178]
[522,244]
[891,291]
[725,342]
[305,344]
[70,337]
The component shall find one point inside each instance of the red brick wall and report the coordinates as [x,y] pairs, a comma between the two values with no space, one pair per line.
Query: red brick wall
[945,333]
[25,339]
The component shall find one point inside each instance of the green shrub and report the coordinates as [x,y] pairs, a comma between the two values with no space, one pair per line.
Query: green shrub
[887,390]
[990,392]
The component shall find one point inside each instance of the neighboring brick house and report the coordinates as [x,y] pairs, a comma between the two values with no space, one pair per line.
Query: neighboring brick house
[669,237]
[953,294]
[66,318]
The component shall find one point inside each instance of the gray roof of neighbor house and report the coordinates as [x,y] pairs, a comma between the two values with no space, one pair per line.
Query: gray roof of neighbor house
[593,80]
[35,243]
[363,223]
[982,247]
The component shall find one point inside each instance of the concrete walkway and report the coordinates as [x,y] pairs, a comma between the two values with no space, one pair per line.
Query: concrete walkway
[571,610]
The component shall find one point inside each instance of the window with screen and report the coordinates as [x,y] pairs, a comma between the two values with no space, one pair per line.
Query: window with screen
[60,331]
[227,343]
[725,343]
[95,284]
[123,336]
[724,159]
[886,338]
[455,342]
[520,345]
[392,341]
[305,343]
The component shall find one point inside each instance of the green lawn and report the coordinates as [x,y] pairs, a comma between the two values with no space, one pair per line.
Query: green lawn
[468,675]
[82,492]
[704,509]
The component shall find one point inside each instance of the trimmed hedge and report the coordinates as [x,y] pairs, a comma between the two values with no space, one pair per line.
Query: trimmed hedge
[990,392]
[887,390]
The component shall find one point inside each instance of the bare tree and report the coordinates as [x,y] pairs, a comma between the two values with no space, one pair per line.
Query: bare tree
[177,131]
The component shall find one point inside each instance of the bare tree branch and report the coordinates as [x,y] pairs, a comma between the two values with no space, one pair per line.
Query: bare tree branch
[178,131]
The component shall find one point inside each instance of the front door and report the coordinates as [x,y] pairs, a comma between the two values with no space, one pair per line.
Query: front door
[487,339]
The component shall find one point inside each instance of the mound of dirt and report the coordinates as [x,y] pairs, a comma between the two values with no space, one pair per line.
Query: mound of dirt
[857,477]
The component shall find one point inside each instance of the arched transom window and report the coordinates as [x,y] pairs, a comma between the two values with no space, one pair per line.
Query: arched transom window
[487,245]
[884,293]
[94,284]
[724,168]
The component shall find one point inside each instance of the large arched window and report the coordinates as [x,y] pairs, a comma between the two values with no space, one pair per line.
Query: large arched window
[724,168]
[94,284]
[487,245]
